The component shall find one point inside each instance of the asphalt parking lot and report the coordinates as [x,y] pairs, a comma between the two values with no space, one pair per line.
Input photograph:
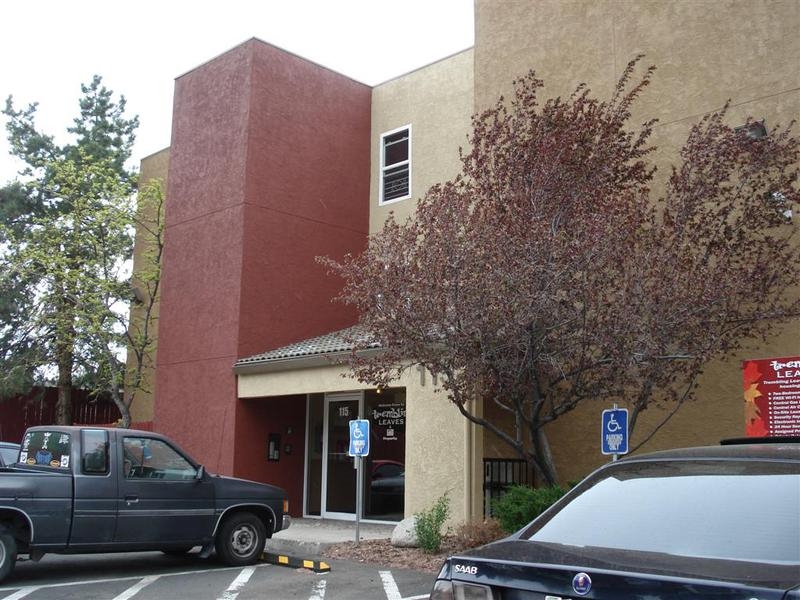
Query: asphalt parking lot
[154,576]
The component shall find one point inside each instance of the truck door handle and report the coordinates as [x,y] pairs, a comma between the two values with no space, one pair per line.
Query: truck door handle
[131,500]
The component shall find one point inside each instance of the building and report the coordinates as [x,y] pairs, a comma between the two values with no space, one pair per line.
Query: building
[276,160]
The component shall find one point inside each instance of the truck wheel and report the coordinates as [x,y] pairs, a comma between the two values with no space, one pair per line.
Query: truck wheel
[8,553]
[240,539]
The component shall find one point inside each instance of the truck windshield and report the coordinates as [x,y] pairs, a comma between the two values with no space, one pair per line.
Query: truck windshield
[46,448]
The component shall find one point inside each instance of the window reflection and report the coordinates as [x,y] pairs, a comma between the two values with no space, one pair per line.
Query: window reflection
[384,472]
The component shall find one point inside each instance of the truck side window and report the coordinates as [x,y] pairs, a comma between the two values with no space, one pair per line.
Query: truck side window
[148,458]
[94,460]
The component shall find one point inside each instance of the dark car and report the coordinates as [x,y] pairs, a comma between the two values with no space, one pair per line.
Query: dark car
[9,451]
[712,522]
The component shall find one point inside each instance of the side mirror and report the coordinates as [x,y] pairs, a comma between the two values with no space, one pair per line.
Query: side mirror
[201,472]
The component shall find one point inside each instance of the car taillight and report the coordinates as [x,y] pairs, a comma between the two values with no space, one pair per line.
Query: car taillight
[456,590]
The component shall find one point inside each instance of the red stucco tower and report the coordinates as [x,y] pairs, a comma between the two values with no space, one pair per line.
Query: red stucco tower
[269,168]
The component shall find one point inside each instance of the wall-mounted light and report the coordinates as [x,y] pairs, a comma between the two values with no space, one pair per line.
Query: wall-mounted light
[755,130]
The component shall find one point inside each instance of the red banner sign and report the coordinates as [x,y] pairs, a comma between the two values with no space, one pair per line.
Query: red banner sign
[772,396]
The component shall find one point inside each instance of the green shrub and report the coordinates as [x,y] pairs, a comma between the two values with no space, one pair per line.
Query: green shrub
[521,504]
[428,524]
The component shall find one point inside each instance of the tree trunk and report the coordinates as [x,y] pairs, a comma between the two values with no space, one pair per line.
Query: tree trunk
[124,405]
[125,423]
[545,466]
[64,404]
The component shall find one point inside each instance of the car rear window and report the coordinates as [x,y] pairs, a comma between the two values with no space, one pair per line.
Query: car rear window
[9,455]
[746,511]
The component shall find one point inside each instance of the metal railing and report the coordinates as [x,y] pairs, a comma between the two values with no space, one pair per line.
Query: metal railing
[498,475]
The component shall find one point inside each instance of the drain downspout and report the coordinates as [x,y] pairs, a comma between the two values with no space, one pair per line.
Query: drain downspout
[468,468]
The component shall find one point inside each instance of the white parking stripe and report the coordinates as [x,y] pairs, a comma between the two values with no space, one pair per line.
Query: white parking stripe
[238,583]
[21,593]
[135,589]
[319,591]
[114,579]
[389,586]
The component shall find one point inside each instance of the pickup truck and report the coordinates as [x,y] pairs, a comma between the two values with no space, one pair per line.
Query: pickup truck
[77,490]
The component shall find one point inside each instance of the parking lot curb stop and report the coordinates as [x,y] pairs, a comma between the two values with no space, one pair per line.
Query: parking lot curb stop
[285,560]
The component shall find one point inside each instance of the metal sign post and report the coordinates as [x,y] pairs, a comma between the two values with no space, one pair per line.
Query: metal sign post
[359,491]
[359,448]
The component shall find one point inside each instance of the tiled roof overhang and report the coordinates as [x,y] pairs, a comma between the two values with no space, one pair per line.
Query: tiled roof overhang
[325,350]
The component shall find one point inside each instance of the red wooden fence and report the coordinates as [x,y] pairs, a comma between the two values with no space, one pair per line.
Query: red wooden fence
[39,408]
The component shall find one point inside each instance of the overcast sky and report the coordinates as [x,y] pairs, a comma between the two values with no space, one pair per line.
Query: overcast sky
[49,47]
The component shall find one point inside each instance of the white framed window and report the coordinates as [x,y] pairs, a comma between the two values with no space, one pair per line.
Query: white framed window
[395,181]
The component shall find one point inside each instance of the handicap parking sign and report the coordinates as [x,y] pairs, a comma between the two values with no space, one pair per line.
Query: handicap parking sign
[359,437]
[614,432]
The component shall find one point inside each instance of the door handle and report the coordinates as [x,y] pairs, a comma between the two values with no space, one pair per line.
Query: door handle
[131,500]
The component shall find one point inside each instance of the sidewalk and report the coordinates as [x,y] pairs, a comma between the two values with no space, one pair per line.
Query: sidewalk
[310,537]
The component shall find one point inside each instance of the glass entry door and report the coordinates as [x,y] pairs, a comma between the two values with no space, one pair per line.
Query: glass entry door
[340,474]
[331,475]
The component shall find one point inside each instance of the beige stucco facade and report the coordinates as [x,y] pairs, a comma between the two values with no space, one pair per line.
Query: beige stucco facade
[706,52]
[437,102]
[153,167]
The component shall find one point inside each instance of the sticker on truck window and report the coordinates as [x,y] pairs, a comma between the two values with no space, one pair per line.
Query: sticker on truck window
[47,448]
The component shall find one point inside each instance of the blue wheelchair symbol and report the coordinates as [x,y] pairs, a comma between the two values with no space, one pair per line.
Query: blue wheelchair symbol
[614,432]
[359,437]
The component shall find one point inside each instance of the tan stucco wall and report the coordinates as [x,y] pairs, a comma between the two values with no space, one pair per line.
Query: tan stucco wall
[437,102]
[706,52]
[437,437]
[155,166]
[300,381]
